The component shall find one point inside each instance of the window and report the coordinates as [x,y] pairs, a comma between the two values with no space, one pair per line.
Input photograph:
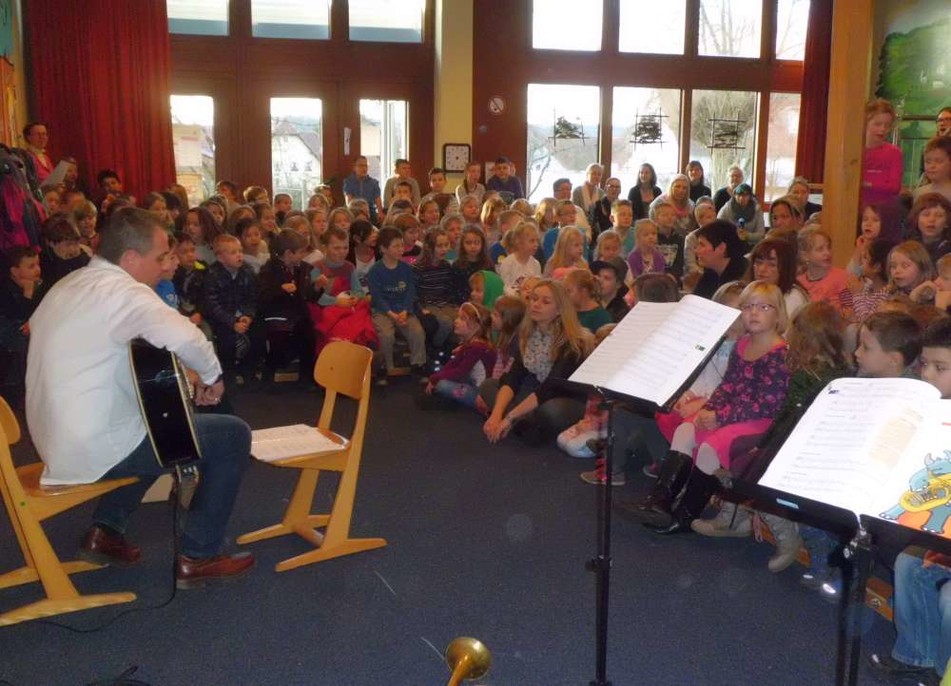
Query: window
[566,25]
[296,147]
[199,17]
[193,140]
[643,27]
[384,134]
[563,131]
[723,134]
[394,21]
[792,20]
[302,19]
[781,142]
[730,28]
[646,128]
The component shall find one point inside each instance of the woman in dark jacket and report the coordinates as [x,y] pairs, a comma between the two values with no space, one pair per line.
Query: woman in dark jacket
[644,192]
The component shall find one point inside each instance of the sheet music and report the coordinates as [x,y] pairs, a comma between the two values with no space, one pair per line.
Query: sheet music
[280,442]
[656,347]
[852,441]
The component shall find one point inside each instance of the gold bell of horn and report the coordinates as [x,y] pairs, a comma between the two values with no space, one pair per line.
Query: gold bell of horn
[468,659]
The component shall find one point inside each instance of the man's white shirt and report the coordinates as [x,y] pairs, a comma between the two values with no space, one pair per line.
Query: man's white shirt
[81,404]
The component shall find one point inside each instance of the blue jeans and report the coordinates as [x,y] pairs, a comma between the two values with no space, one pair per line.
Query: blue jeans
[460,392]
[225,443]
[922,612]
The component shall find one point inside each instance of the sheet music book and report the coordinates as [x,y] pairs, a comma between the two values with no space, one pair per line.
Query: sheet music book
[653,351]
[281,442]
[878,448]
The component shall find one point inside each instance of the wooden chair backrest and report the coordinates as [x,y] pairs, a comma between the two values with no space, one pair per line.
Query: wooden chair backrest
[9,423]
[343,368]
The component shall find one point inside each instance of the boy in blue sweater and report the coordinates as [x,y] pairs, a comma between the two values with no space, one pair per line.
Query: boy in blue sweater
[393,297]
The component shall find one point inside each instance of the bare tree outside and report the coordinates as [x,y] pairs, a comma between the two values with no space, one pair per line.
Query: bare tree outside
[730,28]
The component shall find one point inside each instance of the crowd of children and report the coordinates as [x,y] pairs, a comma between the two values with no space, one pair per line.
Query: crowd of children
[498,301]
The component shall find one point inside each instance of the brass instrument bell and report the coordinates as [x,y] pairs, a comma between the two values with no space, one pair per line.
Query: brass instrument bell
[468,659]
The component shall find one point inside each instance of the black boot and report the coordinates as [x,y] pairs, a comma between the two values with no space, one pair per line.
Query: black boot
[655,509]
[700,487]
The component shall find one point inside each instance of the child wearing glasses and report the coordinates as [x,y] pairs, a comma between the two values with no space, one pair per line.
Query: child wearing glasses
[746,401]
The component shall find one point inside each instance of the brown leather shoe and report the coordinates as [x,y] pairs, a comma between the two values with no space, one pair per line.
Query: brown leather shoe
[104,547]
[193,572]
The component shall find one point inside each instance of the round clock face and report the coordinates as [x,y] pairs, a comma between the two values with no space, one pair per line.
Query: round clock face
[456,156]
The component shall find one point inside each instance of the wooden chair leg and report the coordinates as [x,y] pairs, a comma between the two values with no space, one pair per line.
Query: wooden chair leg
[296,517]
[49,607]
[28,574]
[348,547]
[336,539]
[61,594]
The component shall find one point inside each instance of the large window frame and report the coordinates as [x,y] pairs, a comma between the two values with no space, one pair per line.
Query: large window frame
[610,68]
[242,72]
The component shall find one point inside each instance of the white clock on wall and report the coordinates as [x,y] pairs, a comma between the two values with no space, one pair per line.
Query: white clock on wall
[455,156]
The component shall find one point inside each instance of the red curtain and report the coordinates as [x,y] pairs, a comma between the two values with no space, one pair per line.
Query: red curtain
[99,77]
[813,109]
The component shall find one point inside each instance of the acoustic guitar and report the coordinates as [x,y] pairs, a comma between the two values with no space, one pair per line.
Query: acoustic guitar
[164,395]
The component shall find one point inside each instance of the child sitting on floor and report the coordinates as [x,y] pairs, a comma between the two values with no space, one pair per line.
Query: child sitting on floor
[230,305]
[342,311]
[285,289]
[646,258]
[819,278]
[506,317]
[568,254]
[583,291]
[393,295]
[909,266]
[520,263]
[471,363]
[437,296]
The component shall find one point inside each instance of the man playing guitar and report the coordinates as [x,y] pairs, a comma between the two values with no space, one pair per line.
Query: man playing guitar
[81,401]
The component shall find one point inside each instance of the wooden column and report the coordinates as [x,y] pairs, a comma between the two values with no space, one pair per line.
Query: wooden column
[852,35]
[452,101]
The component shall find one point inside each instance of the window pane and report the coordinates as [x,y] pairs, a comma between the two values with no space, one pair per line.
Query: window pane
[781,143]
[297,147]
[646,129]
[645,29]
[730,28]
[193,139]
[563,132]
[393,21]
[308,19]
[200,17]
[791,22]
[723,134]
[384,134]
[566,25]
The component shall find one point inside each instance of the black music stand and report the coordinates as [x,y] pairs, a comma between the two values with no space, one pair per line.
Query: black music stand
[859,559]
[600,564]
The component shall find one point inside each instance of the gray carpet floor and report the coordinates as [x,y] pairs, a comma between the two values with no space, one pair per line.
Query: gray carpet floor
[486,541]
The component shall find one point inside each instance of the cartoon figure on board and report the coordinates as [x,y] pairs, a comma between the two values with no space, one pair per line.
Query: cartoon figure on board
[929,489]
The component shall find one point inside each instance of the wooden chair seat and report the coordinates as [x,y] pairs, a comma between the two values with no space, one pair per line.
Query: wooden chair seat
[28,503]
[342,368]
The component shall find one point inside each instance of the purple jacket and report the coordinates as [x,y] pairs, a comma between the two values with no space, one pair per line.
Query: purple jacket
[751,390]
[464,358]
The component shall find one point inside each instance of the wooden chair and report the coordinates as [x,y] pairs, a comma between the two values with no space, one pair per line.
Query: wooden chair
[342,368]
[28,504]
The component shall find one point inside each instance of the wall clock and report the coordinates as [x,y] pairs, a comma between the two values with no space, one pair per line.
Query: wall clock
[455,156]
